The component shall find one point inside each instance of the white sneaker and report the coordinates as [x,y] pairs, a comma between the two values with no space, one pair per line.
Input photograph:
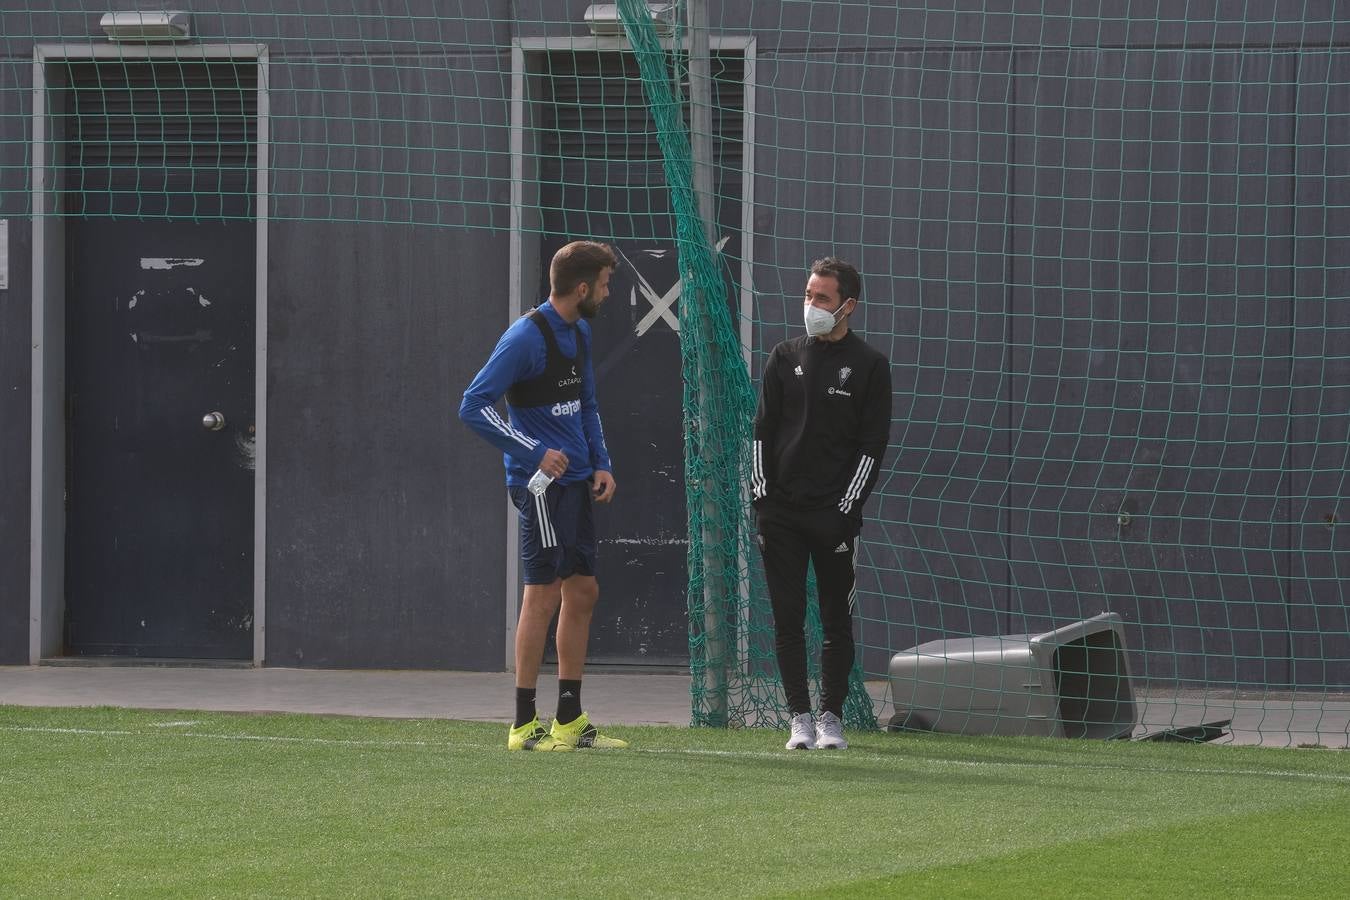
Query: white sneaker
[830,732]
[803,733]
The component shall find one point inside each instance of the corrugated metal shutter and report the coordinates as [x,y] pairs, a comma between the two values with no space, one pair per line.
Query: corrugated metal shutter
[159,137]
[597,115]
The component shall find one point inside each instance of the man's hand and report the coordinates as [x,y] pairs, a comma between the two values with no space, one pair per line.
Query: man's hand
[554,463]
[603,489]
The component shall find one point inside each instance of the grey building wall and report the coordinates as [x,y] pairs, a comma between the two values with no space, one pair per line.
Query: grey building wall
[1033,403]
[15,387]
[1092,305]
[385,517]
[388,274]
[15,355]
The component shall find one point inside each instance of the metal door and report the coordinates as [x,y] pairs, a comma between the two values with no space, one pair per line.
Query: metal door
[160,360]
[643,544]
[602,178]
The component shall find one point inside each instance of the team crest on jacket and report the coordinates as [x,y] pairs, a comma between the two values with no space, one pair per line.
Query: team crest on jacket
[843,375]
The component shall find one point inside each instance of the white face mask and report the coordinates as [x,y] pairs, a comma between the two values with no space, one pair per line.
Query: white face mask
[818,321]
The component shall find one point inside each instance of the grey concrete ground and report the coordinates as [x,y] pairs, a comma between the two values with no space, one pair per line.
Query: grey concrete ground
[628,698]
[1269,721]
[631,698]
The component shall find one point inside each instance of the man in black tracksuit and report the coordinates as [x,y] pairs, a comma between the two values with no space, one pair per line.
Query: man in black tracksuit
[823,423]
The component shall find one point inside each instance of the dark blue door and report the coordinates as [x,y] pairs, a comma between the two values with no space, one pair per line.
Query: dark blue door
[602,178]
[160,300]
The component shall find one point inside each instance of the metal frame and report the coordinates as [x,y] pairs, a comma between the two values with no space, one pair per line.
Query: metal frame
[47,507]
[520,49]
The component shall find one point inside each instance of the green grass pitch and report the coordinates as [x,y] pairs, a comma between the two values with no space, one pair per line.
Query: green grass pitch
[121,803]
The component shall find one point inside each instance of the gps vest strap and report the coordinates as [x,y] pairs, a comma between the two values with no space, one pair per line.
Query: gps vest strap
[561,379]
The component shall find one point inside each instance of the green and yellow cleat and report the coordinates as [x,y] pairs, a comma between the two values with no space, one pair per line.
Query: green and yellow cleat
[533,736]
[581,734]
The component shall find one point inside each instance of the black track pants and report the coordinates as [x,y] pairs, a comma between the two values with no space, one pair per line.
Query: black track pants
[789,539]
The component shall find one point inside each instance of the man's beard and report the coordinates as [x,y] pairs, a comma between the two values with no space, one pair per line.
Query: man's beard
[588,308]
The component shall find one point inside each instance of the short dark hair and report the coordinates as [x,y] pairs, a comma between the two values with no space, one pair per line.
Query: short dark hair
[850,284]
[579,262]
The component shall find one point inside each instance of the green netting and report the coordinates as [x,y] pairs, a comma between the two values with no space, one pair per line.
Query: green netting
[729,617]
[1105,250]
[1093,251]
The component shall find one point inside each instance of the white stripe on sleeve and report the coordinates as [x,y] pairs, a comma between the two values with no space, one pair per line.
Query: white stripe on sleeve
[495,420]
[758,486]
[856,485]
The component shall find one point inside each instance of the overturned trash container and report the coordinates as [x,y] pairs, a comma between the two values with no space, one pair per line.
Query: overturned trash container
[1071,682]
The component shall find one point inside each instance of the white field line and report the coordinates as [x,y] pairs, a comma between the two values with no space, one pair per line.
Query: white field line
[853,754]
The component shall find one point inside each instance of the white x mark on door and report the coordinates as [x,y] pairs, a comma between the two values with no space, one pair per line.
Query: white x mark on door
[661,306]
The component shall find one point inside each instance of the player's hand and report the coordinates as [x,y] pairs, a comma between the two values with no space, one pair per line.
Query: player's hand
[603,489]
[554,463]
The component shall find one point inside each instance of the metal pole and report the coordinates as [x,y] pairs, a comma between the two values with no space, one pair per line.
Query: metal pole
[700,112]
[718,589]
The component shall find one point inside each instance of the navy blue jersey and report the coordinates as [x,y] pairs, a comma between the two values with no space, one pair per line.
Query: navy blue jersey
[527,432]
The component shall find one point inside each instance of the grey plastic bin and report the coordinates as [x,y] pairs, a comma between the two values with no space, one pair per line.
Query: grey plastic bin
[1070,682]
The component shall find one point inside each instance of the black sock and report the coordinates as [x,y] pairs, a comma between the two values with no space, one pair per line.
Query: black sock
[525,711]
[569,700]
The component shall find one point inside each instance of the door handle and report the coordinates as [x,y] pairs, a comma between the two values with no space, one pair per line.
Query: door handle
[213,421]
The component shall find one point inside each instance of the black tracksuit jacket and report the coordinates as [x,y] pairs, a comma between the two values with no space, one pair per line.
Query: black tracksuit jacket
[822,426]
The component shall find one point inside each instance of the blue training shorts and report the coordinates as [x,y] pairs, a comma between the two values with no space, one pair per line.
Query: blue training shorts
[557,532]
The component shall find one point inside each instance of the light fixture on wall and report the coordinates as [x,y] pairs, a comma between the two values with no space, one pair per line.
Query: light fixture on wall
[604,20]
[147,27]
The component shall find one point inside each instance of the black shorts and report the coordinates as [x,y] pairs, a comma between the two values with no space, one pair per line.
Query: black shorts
[557,532]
